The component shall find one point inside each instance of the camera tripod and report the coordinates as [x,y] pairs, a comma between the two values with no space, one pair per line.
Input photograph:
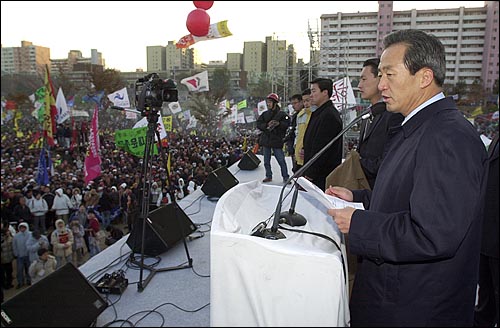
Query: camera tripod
[152,118]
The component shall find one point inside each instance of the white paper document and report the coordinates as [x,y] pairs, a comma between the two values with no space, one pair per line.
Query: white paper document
[327,200]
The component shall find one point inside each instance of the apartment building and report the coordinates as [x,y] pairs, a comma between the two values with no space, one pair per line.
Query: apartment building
[470,36]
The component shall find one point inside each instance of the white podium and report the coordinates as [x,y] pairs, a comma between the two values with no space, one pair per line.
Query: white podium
[297,281]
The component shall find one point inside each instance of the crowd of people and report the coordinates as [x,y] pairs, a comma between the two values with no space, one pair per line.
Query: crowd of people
[77,218]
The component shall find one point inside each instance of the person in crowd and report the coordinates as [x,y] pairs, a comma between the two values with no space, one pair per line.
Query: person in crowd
[114,234]
[486,311]
[76,199]
[374,132]
[48,196]
[61,206]
[34,243]
[79,245]
[22,255]
[155,196]
[132,209]
[419,237]
[91,198]
[273,124]
[105,205]
[62,243]
[7,256]
[122,193]
[302,120]
[297,105]
[92,231]
[39,208]
[324,125]
[22,212]
[44,265]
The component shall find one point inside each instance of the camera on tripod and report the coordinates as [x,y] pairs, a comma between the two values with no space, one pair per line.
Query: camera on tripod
[151,92]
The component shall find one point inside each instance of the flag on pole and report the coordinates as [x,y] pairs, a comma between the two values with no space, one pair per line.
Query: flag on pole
[42,177]
[197,82]
[168,164]
[215,31]
[342,93]
[92,165]
[49,119]
[62,107]
[120,98]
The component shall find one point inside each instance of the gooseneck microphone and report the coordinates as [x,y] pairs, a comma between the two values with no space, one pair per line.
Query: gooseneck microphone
[291,217]
[273,233]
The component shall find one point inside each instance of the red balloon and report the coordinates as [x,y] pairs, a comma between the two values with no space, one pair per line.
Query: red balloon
[203,4]
[198,22]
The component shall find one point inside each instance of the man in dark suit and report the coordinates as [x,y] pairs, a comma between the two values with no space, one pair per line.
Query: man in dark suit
[323,126]
[375,131]
[486,314]
[420,235]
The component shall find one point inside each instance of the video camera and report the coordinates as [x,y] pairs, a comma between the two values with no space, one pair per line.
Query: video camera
[151,91]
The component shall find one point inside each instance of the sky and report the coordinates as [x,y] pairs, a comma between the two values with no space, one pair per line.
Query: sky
[121,31]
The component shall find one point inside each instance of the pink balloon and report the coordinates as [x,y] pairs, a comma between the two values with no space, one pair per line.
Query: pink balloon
[198,22]
[203,4]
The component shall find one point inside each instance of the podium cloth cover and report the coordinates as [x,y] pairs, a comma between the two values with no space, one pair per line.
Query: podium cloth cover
[296,281]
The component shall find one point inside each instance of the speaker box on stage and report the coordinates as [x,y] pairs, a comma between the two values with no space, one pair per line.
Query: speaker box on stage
[64,298]
[218,182]
[164,228]
[249,161]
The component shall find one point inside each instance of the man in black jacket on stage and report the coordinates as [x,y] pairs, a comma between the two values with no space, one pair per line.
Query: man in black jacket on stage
[375,131]
[323,126]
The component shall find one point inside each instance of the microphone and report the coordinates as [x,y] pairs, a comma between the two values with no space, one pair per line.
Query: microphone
[273,232]
[291,217]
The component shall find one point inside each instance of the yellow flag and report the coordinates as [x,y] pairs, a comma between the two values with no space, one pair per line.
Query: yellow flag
[477,111]
[244,147]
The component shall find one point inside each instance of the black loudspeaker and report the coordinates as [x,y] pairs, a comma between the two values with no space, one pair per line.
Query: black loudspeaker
[218,182]
[62,299]
[249,161]
[164,228]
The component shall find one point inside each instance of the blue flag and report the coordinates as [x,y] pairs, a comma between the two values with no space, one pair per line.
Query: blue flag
[42,177]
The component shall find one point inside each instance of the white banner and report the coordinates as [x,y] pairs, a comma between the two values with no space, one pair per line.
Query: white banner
[160,126]
[261,107]
[175,107]
[343,94]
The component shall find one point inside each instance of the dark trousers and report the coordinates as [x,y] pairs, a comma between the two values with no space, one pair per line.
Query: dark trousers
[486,311]
[6,274]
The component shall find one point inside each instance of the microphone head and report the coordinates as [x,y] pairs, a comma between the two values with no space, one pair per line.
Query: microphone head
[377,110]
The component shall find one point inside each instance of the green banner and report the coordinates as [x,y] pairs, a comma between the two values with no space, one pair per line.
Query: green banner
[133,141]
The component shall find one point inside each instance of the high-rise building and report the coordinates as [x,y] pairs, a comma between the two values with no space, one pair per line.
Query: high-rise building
[470,36]
[156,58]
[25,59]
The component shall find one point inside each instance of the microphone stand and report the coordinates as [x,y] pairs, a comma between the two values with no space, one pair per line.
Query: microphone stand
[273,233]
[152,118]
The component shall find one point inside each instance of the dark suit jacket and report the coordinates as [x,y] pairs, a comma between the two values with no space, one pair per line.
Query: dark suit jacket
[419,240]
[372,140]
[489,244]
[324,125]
